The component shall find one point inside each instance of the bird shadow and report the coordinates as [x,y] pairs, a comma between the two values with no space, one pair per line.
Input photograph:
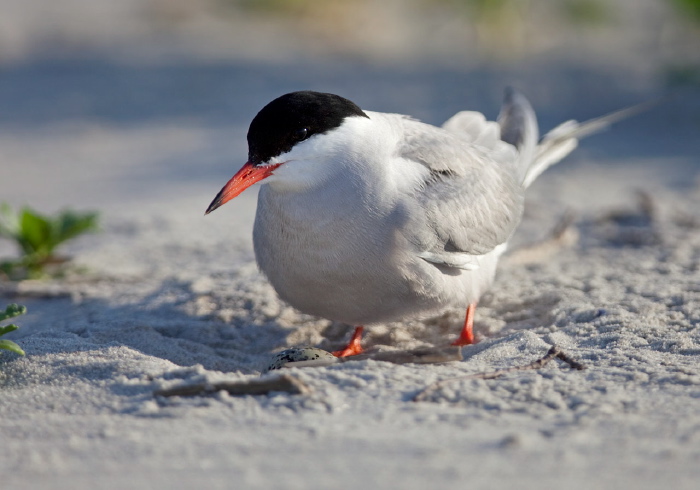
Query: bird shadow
[161,323]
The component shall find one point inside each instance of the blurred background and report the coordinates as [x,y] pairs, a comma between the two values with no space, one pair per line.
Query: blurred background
[660,33]
[130,106]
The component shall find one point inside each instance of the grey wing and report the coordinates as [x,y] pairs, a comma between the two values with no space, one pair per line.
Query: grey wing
[468,203]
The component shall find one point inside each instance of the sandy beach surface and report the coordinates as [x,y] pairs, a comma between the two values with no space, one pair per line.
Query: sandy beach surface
[168,296]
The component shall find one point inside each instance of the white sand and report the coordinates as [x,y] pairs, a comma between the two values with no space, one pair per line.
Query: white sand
[172,296]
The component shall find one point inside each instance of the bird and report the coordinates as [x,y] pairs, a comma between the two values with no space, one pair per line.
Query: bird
[366,217]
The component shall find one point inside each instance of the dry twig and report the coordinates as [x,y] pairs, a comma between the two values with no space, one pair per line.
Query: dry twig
[554,352]
[253,386]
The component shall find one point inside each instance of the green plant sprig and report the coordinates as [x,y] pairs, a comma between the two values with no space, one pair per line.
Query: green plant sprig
[11,311]
[37,237]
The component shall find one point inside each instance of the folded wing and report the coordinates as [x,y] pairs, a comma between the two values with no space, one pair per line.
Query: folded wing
[470,200]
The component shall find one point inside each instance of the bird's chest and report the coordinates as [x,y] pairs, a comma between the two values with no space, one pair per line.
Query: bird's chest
[314,234]
[322,258]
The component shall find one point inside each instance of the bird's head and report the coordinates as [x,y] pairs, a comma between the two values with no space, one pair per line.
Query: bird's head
[288,142]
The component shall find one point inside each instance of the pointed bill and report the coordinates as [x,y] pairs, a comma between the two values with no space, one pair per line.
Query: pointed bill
[248,175]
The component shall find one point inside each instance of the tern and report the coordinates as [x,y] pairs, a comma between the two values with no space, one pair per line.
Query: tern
[367,217]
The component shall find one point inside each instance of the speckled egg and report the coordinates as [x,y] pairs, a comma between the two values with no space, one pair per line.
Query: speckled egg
[300,357]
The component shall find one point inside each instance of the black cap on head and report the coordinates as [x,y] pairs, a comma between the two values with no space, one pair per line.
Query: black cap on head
[292,118]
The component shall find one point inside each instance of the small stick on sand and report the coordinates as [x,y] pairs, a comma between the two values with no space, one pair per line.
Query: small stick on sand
[554,352]
[253,386]
[562,356]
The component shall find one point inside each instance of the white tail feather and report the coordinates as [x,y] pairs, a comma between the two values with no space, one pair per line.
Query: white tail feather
[562,140]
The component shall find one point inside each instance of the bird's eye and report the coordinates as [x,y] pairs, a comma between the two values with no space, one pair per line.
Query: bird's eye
[301,134]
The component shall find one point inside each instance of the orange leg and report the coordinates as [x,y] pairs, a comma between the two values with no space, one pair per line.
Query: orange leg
[467,335]
[353,348]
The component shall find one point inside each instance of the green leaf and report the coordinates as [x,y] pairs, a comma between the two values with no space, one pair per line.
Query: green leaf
[11,346]
[35,233]
[12,311]
[70,225]
[7,329]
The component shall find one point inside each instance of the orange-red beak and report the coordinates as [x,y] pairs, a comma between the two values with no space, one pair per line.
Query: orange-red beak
[248,175]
